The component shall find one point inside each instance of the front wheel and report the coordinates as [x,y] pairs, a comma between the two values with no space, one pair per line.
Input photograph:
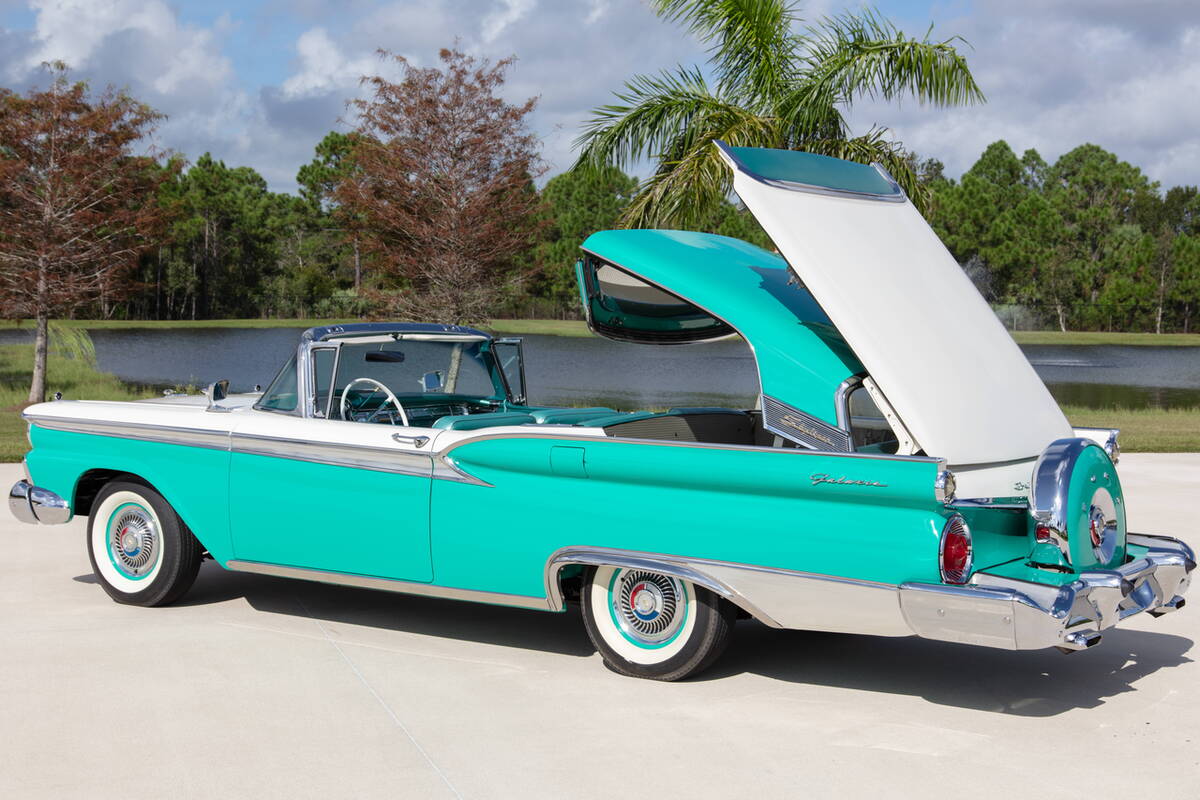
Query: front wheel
[650,625]
[140,550]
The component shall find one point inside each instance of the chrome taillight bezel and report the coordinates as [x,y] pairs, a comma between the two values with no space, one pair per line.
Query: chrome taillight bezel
[955,525]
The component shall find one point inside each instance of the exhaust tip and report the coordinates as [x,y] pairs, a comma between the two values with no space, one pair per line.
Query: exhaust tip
[1082,640]
[1174,604]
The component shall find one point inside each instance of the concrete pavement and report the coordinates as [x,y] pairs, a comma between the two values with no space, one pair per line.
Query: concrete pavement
[264,687]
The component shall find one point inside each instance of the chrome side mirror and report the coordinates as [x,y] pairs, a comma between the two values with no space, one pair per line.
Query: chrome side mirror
[216,392]
[432,381]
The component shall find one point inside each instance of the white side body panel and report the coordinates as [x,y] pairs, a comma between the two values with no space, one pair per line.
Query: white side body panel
[945,363]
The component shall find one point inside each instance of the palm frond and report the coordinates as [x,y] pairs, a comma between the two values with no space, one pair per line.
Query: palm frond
[809,110]
[865,55]
[753,49]
[656,116]
[691,180]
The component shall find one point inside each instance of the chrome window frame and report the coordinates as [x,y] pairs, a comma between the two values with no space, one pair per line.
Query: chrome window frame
[320,338]
[521,399]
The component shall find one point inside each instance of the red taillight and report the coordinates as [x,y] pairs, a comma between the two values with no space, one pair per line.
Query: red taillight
[954,551]
[1042,533]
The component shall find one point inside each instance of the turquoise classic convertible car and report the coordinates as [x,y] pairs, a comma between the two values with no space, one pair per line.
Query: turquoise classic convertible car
[904,470]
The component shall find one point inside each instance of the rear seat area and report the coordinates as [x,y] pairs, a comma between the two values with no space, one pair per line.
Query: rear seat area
[710,425]
[686,424]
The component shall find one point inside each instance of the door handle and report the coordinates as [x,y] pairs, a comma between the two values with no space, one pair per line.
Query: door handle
[415,441]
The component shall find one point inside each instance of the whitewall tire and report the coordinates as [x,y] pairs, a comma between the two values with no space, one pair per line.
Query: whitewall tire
[649,625]
[141,552]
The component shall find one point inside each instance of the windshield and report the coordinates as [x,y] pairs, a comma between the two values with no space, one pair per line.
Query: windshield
[433,371]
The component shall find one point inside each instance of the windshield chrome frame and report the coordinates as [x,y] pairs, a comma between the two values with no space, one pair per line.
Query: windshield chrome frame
[333,337]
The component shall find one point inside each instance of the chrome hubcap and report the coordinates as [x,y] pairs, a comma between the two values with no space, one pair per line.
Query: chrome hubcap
[648,606]
[133,539]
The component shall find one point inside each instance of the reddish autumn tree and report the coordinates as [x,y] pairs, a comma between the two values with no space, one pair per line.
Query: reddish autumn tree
[442,190]
[76,201]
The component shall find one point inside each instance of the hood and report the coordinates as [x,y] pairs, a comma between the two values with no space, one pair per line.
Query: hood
[927,337]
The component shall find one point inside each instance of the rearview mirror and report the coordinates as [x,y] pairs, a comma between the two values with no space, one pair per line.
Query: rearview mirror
[388,356]
[432,381]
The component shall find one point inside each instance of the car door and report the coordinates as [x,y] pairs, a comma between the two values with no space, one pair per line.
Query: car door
[329,495]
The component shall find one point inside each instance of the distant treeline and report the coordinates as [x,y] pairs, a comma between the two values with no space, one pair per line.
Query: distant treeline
[1087,243]
[234,249]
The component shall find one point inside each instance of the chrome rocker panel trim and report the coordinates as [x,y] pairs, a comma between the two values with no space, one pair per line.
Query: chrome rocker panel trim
[1019,615]
[779,598]
[33,504]
[387,584]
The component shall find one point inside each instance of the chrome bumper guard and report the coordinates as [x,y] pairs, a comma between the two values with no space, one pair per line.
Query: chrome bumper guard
[1019,615]
[34,504]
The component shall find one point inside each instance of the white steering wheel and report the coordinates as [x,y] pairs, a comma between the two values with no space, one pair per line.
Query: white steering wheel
[391,398]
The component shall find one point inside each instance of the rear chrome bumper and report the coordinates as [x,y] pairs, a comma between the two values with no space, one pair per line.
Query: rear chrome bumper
[34,504]
[1020,615]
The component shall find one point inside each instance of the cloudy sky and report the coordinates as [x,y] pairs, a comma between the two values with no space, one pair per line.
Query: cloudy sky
[259,82]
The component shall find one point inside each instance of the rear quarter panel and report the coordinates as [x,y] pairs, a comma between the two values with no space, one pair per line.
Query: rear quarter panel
[754,506]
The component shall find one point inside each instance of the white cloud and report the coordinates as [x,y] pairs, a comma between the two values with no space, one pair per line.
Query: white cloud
[508,13]
[75,31]
[324,67]
[599,9]
[1123,76]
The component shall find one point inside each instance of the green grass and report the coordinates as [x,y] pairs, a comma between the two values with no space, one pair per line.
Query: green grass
[543,327]
[570,327]
[1102,337]
[1144,430]
[73,377]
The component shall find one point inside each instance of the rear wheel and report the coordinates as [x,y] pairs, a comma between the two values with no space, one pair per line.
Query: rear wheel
[140,550]
[649,625]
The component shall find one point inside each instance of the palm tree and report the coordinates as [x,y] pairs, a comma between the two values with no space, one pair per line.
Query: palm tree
[771,87]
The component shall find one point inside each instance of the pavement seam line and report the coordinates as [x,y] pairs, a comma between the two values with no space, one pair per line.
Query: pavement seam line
[395,718]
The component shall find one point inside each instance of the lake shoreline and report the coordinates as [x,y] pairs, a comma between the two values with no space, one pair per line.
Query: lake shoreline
[578,328]
[1142,430]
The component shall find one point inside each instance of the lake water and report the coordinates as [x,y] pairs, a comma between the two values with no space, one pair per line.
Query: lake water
[594,371]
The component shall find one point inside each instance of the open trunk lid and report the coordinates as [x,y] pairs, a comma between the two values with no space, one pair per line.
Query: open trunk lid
[947,366]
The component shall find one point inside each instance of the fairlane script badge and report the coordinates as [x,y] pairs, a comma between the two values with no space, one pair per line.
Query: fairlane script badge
[818,478]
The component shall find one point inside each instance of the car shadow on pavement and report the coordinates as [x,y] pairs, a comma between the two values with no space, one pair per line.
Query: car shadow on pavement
[1031,683]
[426,616]
[1040,683]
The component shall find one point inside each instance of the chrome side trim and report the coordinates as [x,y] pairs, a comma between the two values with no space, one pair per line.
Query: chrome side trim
[780,598]
[32,504]
[897,195]
[379,459]
[387,584]
[990,502]
[193,437]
